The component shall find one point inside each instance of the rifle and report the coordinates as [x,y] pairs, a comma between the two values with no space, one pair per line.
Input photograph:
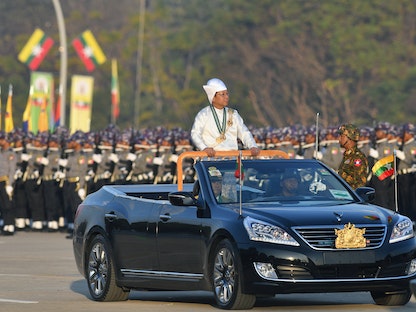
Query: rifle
[112,163]
[63,156]
[129,163]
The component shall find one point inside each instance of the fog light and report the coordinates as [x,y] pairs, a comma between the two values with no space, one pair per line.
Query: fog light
[265,270]
[412,267]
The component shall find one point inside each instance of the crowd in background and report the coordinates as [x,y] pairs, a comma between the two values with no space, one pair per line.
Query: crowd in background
[44,177]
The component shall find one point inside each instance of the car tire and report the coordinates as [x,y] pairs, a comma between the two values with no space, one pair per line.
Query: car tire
[101,277]
[226,279]
[395,299]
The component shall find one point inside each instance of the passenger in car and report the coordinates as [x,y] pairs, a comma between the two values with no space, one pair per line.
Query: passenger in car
[216,183]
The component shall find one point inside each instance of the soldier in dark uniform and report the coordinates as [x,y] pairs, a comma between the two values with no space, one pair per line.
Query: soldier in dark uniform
[51,191]
[7,170]
[20,203]
[354,165]
[33,185]
[406,171]
[380,148]
[74,186]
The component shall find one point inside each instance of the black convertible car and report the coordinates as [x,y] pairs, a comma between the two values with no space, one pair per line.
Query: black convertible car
[255,227]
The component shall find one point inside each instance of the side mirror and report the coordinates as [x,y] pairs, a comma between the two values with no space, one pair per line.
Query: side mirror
[368,194]
[182,199]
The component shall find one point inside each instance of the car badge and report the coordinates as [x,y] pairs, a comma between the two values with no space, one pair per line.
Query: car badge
[338,215]
[350,237]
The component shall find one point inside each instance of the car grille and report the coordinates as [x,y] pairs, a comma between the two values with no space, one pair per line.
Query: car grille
[323,238]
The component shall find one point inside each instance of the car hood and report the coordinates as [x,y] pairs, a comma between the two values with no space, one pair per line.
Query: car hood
[355,213]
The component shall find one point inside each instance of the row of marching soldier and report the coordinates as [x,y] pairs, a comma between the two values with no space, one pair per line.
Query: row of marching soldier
[44,177]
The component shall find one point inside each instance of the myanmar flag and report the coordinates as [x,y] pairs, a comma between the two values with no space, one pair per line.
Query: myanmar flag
[35,49]
[115,93]
[88,50]
[384,167]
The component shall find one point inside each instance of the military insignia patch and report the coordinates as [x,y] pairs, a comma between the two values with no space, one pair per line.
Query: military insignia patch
[358,162]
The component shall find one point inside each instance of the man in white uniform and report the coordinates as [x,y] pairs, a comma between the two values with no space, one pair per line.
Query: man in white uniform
[217,127]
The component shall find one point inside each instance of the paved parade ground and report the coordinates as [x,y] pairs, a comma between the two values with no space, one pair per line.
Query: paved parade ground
[38,273]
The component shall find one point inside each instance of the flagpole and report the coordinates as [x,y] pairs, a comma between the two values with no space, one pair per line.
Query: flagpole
[396,204]
[139,61]
[64,57]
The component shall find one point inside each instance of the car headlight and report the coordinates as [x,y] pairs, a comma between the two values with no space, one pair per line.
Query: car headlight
[402,230]
[265,232]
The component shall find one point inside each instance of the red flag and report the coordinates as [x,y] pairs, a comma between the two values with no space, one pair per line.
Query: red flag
[239,166]
[57,111]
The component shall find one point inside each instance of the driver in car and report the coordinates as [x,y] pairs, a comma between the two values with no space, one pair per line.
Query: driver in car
[289,184]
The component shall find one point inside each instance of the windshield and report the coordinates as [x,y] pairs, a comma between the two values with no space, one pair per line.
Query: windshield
[275,181]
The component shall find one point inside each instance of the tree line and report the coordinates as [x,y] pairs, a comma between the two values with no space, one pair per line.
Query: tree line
[282,60]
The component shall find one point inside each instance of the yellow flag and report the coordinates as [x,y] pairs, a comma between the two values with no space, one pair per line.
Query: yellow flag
[26,113]
[8,118]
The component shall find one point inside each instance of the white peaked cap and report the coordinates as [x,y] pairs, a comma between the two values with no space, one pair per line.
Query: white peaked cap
[213,86]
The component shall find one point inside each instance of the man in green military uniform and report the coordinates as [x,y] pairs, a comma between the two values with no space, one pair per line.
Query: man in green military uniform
[354,165]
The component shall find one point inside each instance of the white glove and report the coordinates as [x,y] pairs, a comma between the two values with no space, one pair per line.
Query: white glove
[374,153]
[173,158]
[113,157]
[35,174]
[9,190]
[26,157]
[97,158]
[317,155]
[59,175]
[106,174]
[63,162]
[81,193]
[18,174]
[158,161]
[400,154]
[299,157]
[44,161]
[131,156]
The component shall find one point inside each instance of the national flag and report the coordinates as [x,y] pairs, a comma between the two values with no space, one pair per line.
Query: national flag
[26,113]
[88,50]
[35,49]
[239,171]
[115,91]
[57,111]
[8,118]
[384,167]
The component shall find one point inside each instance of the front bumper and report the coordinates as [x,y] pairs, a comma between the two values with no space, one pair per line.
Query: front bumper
[302,269]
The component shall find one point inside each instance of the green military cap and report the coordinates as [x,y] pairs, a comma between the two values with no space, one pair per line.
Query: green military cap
[350,130]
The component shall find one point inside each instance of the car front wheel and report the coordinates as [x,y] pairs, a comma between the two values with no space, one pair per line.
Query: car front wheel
[226,279]
[391,299]
[100,272]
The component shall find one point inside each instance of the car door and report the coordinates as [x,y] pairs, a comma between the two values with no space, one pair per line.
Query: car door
[134,234]
[179,239]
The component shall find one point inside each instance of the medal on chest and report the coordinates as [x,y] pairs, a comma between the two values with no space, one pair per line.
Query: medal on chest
[220,127]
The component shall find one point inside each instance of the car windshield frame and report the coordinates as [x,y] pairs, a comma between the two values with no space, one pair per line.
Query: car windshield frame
[262,182]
